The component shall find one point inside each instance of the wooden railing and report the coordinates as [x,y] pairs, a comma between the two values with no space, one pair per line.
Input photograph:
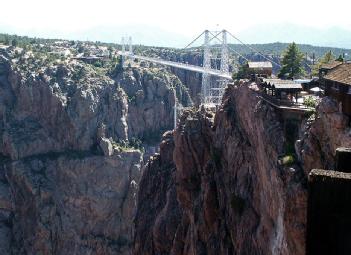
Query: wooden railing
[281,102]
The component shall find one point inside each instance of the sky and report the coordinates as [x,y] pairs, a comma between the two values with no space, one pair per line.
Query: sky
[183,19]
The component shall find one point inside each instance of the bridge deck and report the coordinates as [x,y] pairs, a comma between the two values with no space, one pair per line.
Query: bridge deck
[189,67]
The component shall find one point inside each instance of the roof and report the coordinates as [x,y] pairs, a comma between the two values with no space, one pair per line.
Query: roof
[341,73]
[331,65]
[300,81]
[287,86]
[260,64]
[283,84]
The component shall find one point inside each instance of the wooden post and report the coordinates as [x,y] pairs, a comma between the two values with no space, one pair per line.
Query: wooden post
[329,210]
[343,159]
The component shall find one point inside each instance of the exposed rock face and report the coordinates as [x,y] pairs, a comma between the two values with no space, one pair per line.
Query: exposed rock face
[5,214]
[39,115]
[192,80]
[151,94]
[232,195]
[73,204]
[158,217]
[329,131]
[67,186]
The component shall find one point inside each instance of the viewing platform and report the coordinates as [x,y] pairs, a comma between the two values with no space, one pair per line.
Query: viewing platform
[283,94]
[284,104]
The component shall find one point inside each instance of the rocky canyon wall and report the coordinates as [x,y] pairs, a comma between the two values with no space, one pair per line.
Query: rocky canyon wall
[68,173]
[222,183]
[234,195]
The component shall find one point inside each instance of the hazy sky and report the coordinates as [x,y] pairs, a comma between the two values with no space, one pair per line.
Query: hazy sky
[184,17]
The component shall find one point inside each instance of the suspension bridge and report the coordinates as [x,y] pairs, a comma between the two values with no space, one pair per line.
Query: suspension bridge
[214,78]
[215,48]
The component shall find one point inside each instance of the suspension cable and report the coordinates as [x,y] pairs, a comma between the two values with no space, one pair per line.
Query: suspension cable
[253,49]
[193,41]
[238,53]
[216,36]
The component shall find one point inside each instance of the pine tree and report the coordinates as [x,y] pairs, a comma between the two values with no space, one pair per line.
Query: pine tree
[14,42]
[340,58]
[242,72]
[327,58]
[292,63]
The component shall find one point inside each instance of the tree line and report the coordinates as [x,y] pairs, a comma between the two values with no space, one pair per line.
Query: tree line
[292,64]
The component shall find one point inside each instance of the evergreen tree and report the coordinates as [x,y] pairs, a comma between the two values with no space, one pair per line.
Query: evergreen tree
[327,58]
[292,63]
[242,72]
[340,58]
[14,42]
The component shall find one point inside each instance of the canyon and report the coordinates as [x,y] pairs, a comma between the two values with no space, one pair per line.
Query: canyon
[79,173]
[71,153]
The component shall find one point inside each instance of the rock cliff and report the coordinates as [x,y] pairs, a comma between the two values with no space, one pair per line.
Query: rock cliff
[329,130]
[151,93]
[223,183]
[232,193]
[69,169]
[227,188]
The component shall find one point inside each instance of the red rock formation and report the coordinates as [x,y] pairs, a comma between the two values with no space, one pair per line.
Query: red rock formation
[159,215]
[68,178]
[322,136]
[234,196]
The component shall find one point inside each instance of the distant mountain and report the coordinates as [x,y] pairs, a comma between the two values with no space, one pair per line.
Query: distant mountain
[141,34]
[285,33]
[331,37]
[155,36]
[278,48]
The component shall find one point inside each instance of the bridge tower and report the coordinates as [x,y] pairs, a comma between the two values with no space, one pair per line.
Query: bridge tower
[123,51]
[224,53]
[222,83]
[206,79]
[130,46]
[213,88]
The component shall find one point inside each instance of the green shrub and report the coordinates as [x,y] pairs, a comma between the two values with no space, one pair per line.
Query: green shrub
[98,64]
[131,98]
[132,144]
[242,72]
[310,102]
[136,143]
[287,160]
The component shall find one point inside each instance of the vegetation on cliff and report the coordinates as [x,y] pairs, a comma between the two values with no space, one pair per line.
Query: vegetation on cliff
[292,63]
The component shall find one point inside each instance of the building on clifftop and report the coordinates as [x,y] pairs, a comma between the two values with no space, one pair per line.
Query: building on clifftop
[337,84]
[326,68]
[260,69]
